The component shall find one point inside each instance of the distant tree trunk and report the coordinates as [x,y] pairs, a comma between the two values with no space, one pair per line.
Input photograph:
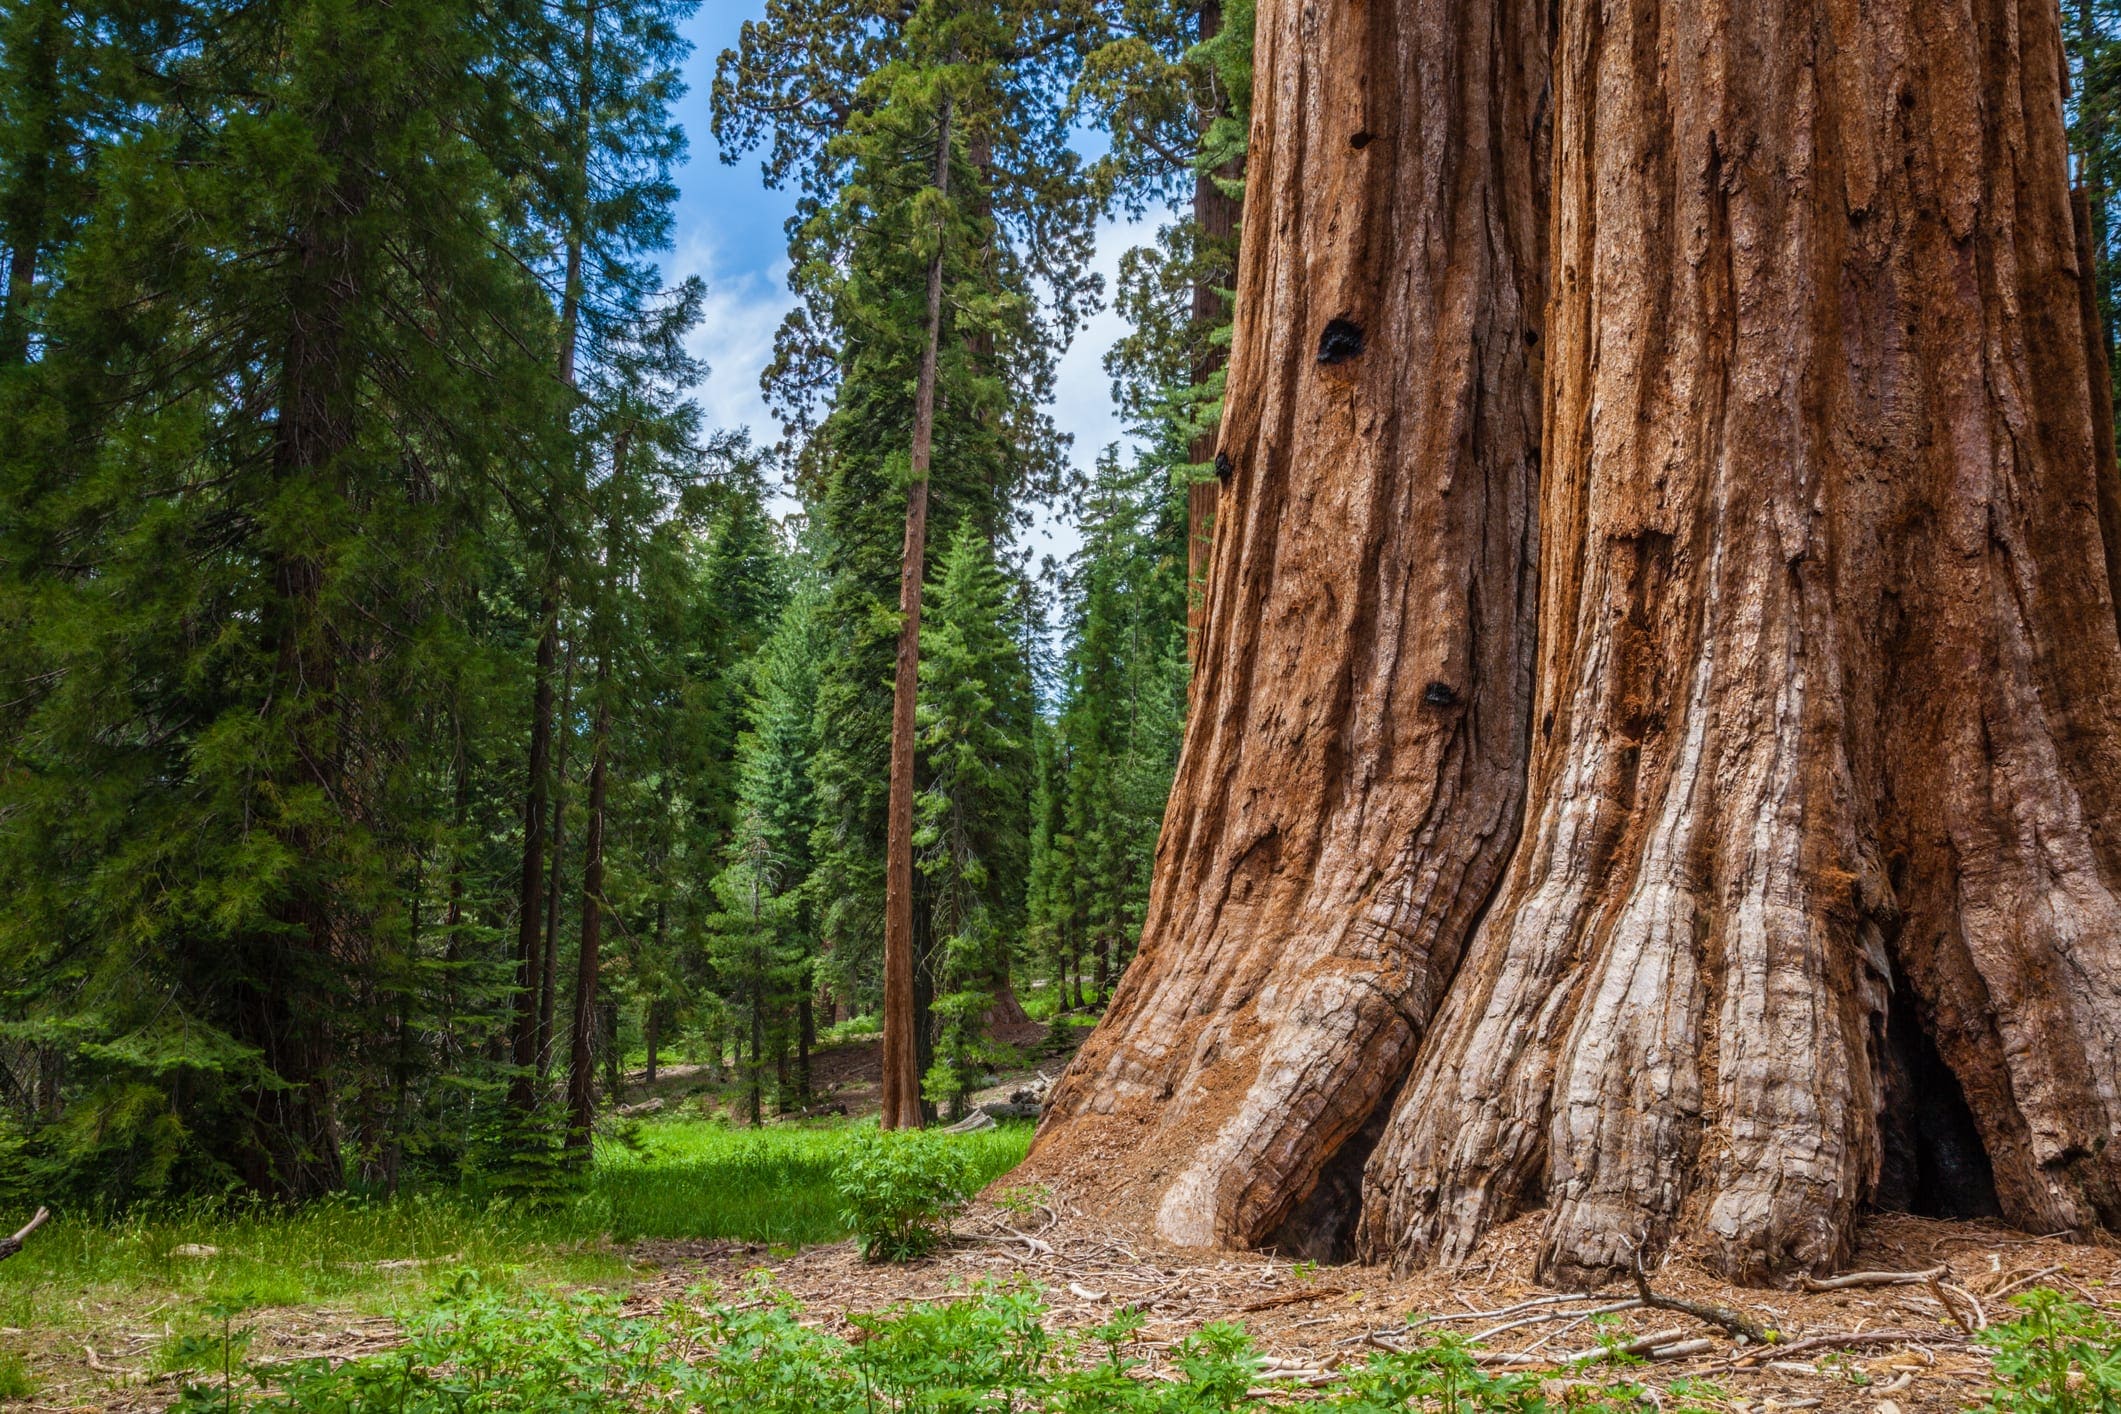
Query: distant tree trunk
[1827,747]
[757,1072]
[901,1064]
[555,883]
[298,964]
[453,912]
[581,1070]
[651,1036]
[535,965]
[1352,774]
[522,1089]
[805,1039]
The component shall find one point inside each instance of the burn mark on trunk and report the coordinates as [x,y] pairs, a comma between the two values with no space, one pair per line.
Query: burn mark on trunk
[1440,694]
[1224,468]
[1339,341]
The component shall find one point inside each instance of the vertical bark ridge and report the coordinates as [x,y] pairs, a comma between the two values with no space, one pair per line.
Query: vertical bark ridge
[1828,665]
[1352,775]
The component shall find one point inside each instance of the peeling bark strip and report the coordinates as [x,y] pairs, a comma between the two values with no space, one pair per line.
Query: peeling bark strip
[1827,664]
[1330,839]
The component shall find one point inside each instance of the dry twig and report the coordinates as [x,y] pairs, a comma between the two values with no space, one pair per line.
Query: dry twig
[1849,1279]
[1722,1316]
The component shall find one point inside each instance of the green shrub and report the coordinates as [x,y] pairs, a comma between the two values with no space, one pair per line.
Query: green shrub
[901,1189]
[2059,1357]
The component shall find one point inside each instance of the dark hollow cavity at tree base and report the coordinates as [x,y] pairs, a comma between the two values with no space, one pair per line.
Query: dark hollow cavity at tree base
[1933,1163]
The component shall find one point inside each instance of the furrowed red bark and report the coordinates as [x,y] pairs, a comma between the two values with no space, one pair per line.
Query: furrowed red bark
[1821,826]
[901,1088]
[1352,773]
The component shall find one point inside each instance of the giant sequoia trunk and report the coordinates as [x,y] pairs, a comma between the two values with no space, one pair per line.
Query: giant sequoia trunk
[1815,902]
[1827,665]
[1352,773]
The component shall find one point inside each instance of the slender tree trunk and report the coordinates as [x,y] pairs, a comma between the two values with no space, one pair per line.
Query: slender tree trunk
[581,1073]
[651,1035]
[453,912]
[533,965]
[1351,778]
[805,1039]
[901,1065]
[1827,744]
[756,1075]
[522,1090]
[555,883]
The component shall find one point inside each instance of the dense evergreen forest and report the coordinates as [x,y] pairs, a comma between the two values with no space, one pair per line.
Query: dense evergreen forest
[413,712]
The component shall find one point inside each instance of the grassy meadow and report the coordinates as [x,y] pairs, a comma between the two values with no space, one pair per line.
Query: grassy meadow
[677,1178]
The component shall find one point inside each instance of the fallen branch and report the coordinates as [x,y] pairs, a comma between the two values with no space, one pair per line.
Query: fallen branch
[1573,1317]
[1840,1340]
[1938,1288]
[1849,1279]
[1662,1345]
[1722,1316]
[1291,1298]
[1011,1235]
[9,1246]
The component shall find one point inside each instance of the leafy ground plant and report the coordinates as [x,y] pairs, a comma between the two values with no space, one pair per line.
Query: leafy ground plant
[487,1350]
[2058,1357]
[901,1188]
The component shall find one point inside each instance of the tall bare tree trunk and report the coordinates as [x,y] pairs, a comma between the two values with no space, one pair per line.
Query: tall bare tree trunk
[901,1088]
[1352,774]
[523,1048]
[581,1069]
[1827,746]
[534,962]
[556,881]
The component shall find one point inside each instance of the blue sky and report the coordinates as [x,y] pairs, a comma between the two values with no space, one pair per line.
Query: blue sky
[729,234]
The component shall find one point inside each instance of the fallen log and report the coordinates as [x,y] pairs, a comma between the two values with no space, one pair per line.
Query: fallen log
[9,1246]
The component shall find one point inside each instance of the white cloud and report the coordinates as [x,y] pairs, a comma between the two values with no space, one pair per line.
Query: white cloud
[1082,390]
[745,306]
[735,334]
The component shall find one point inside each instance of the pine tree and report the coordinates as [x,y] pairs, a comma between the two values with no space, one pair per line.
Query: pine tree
[853,109]
[973,840]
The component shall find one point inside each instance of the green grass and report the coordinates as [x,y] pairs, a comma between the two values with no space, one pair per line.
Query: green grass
[774,1185]
[682,1179]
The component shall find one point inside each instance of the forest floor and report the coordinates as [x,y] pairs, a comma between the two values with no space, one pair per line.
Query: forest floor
[117,1314]
[118,1317]
[1879,1349]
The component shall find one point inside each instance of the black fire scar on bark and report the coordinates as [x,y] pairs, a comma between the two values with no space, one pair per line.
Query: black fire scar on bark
[1224,467]
[1341,340]
[1439,694]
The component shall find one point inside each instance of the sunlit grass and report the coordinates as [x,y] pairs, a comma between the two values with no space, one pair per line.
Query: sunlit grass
[680,1178]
